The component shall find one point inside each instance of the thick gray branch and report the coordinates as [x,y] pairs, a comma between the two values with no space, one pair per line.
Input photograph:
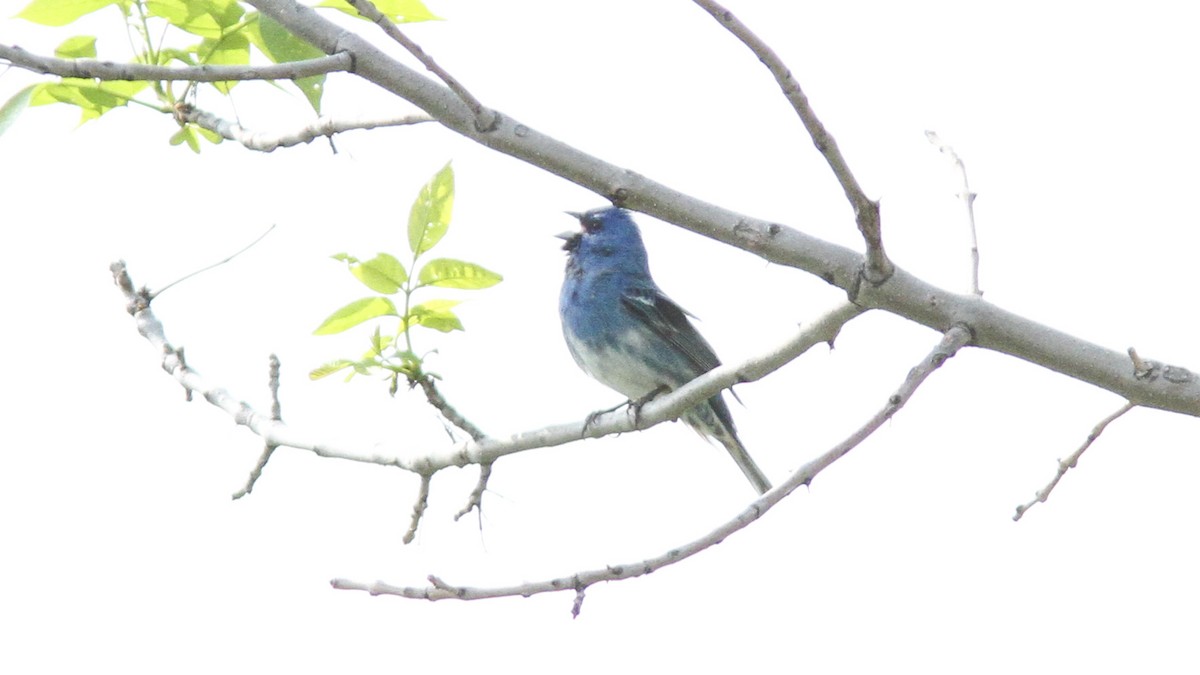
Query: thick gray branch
[902,294]
[107,70]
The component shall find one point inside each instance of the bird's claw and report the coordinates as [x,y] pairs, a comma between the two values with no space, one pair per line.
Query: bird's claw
[636,406]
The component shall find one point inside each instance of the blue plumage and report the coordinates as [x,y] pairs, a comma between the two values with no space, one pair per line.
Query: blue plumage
[627,334]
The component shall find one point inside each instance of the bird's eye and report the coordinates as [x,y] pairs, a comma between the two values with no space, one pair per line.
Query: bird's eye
[592,224]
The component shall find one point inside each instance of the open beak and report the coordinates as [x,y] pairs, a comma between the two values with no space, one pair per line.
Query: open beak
[570,236]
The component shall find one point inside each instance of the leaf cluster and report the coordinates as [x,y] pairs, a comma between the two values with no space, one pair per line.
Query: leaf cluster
[393,353]
[178,32]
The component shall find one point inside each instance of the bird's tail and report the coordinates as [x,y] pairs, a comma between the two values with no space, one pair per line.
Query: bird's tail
[707,421]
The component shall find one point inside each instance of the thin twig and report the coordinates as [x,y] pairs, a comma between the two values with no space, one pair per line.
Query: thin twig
[266,142]
[485,119]
[1069,463]
[451,414]
[435,398]
[277,415]
[418,509]
[475,499]
[202,270]
[951,342]
[107,70]
[968,198]
[866,212]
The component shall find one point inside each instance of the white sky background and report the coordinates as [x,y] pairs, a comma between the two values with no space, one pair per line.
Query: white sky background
[121,547]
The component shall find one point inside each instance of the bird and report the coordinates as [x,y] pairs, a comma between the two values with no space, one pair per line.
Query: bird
[624,332]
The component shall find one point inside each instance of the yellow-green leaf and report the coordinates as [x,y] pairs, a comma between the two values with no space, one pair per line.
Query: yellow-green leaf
[61,12]
[13,107]
[93,98]
[430,214]
[326,369]
[280,45]
[355,313]
[230,50]
[450,273]
[78,47]
[400,11]
[187,135]
[435,314]
[383,273]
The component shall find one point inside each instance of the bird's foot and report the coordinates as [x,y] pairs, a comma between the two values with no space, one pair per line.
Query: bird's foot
[636,406]
[591,418]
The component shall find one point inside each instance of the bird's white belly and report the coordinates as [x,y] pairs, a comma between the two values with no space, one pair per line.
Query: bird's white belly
[619,367]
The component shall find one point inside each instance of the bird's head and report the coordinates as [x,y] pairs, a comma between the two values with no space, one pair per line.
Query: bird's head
[606,233]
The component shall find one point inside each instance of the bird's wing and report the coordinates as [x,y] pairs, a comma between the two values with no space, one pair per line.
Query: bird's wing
[670,322]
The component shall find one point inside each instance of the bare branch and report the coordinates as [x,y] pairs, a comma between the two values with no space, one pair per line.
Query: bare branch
[968,199]
[451,414]
[486,450]
[418,509]
[108,70]
[485,119]
[1069,463]
[866,211]
[475,499]
[266,142]
[951,342]
[448,411]
[277,415]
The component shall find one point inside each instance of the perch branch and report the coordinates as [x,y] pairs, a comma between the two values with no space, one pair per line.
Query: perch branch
[489,449]
[951,342]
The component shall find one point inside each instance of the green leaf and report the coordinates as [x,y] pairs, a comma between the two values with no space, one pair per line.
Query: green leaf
[186,56]
[281,46]
[450,273]
[186,134]
[206,18]
[435,314]
[400,11]
[355,313]
[327,369]
[231,50]
[78,47]
[382,274]
[378,344]
[61,12]
[210,135]
[13,107]
[430,214]
[93,98]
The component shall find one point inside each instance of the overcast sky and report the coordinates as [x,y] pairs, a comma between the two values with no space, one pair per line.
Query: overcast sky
[122,548]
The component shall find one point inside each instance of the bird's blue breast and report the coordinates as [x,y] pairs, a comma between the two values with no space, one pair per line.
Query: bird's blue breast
[609,342]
